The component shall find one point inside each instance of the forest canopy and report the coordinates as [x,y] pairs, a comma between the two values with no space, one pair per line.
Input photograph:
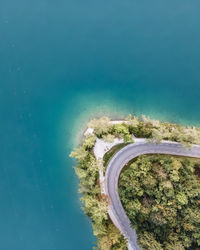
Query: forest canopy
[161,196]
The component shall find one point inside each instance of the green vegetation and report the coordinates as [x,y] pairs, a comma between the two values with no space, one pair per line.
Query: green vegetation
[107,157]
[161,196]
[156,131]
[95,204]
[144,127]
[104,129]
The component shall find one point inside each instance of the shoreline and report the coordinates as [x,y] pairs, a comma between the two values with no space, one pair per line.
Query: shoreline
[97,146]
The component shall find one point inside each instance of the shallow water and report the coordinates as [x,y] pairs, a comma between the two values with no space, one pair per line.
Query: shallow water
[62,62]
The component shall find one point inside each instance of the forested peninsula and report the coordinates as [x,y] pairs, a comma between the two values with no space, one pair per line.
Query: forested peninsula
[160,193]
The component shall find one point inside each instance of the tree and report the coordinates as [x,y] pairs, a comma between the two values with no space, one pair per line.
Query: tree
[147,241]
[80,153]
[101,126]
[89,142]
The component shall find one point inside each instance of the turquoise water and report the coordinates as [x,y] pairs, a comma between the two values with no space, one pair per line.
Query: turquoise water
[62,62]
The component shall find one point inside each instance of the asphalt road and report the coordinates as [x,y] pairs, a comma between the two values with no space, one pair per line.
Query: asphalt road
[140,147]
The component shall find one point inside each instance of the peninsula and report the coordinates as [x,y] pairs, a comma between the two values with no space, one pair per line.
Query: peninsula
[140,183]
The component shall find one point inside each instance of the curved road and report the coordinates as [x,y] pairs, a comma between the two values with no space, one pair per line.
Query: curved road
[140,147]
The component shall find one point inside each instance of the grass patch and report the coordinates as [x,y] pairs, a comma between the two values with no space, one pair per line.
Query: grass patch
[108,155]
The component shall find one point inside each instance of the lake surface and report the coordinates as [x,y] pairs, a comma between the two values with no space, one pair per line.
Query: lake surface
[62,62]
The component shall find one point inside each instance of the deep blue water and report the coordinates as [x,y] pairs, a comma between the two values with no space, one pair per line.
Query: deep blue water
[62,62]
